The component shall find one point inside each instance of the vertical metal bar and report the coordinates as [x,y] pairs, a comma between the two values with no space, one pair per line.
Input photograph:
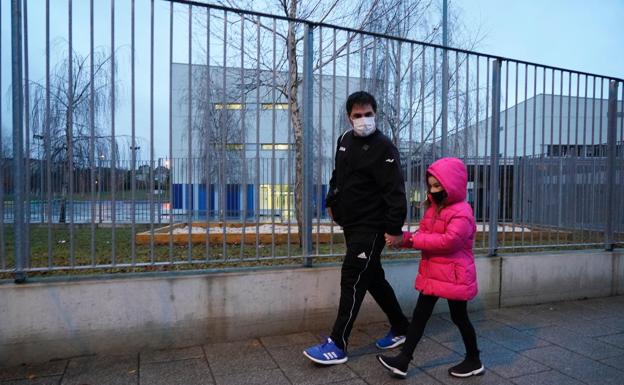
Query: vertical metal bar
[70,136]
[319,152]
[422,181]
[258,190]
[133,134]
[333,141]
[410,153]
[243,136]
[515,164]
[273,124]
[397,95]
[611,158]
[189,161]
[476,154]
[494,174]
[113,164]
[92,131]
[385,122]
[466,110]
[524,153]
[602,208]
[435,120]
[151,128]
[208,134]
[544,174]
[18,139]
[362,70]
[444,96]
[576,155]
[504,182]
[552,142]
[486,150]
[561,176]
[596,180]
[621,160]
[28,162]
[223,134]
[308,58]
[552,214]
[348,63]
[571,166]
[3,255]
[171,160]
[289,165]
[47,136]
[586,181]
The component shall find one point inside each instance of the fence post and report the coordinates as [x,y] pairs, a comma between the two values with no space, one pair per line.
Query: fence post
[611,155]
[308,80]
[18,140]
[445,83]
[494,161]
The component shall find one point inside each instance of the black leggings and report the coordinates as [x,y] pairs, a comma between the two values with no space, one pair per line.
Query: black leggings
[459,316]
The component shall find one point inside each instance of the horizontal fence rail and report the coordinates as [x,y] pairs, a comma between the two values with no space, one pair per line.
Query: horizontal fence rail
[168,134]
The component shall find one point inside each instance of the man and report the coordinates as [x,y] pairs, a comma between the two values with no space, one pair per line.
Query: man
[367,198]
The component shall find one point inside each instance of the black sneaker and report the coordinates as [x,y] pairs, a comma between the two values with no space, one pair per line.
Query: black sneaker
[468,367]
[396,365]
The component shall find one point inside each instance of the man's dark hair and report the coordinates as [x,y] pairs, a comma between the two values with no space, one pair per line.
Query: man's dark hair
[361,98]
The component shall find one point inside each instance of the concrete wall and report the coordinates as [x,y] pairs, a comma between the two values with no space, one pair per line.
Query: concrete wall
[52,319]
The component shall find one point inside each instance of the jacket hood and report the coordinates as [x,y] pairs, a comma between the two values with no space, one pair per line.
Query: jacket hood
[452,175]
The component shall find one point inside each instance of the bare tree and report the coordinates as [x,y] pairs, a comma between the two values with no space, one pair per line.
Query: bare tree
[218,122]
[64,121]
[407,19]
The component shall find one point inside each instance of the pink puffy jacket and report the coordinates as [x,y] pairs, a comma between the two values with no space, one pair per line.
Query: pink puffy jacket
[447,268]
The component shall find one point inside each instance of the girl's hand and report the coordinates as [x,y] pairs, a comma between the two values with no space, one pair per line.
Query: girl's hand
[393,240]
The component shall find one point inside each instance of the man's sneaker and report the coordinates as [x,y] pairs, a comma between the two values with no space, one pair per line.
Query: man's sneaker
[467,368]
[390,341]
[396,365]
[326,353]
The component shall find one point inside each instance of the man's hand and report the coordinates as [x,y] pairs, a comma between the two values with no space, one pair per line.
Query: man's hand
[331,215]
[393,240]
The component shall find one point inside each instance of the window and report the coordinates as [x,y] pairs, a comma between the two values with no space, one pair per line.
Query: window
[277,146]
[234,146]
[276,106]
[228,106]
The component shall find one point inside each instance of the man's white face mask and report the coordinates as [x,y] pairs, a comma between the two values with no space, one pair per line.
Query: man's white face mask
[364,126]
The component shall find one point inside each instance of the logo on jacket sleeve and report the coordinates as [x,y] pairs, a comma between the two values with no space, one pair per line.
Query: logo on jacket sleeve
[342,149]
[390,160]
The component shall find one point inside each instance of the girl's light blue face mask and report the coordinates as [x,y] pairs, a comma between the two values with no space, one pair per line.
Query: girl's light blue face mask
[364,126]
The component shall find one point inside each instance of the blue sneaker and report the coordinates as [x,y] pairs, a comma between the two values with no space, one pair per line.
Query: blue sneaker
[326,353]
[390,341]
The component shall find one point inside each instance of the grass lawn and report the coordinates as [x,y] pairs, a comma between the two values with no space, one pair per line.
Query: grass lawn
[96,248]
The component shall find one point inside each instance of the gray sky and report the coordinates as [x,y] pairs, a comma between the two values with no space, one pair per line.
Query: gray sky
[576,34]
[571,34]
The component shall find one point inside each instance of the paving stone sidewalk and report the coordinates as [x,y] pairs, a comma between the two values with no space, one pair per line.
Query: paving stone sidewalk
[580,342]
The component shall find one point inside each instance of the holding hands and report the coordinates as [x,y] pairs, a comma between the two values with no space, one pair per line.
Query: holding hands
[393,240]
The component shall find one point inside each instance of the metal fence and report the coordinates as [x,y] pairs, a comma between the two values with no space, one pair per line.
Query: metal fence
[235,116]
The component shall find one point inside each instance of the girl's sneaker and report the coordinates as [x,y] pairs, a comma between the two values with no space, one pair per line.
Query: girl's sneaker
[468,367]
[396,365]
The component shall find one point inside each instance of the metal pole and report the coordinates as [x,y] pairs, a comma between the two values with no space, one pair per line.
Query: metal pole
[306,232]
[18,139]
[611,145]
[445,82]
[494,174]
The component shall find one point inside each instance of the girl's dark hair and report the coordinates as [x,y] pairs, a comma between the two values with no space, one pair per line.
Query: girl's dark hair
[427,204]
[361,98]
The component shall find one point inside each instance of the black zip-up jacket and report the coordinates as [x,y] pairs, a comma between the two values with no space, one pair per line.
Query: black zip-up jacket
[366,190]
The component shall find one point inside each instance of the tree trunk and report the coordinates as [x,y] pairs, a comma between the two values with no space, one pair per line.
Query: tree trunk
[297,124]
[66,171]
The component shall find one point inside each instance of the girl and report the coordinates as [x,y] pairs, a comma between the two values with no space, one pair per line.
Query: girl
[447,268]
